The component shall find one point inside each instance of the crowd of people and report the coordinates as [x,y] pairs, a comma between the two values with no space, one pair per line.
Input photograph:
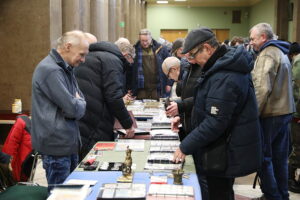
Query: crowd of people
[246,91]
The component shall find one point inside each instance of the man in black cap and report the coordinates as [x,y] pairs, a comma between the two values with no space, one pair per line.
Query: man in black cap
[224,109]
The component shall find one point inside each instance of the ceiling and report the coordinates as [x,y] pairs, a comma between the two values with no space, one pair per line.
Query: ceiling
[207,3]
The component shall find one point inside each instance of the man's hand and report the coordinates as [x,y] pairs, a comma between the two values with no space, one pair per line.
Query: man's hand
[129,132]
[128,97]
[178,156]
[175,124]
[172,109]
[168,88]
[77,95]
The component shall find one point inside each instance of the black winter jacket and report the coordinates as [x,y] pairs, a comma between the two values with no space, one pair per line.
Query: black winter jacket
[224,97]
[185,89]
[100,78]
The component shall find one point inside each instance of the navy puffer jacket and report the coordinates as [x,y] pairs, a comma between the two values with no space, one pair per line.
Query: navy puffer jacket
[224,97]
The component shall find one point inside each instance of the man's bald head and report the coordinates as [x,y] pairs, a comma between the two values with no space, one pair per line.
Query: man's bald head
[73,47]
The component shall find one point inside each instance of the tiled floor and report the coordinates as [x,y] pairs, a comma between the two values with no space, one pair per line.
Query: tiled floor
[243,186]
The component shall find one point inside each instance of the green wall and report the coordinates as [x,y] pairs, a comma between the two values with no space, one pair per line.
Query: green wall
[180,17]
[264,11]
[172,17]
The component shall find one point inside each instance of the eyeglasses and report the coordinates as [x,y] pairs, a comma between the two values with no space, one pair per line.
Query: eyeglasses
[128,56]
[193,55]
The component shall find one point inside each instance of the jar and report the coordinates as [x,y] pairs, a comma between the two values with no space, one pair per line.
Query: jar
[17,106]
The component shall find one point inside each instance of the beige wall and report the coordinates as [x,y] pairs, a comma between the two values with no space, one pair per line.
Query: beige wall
[29,28]
[24,39]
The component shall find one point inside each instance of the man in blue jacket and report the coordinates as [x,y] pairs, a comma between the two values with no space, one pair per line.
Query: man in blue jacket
[224,105]
[57,104]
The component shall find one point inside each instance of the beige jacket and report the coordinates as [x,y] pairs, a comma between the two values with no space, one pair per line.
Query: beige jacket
[272,79]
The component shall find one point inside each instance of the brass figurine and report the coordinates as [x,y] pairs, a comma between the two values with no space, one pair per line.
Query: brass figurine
[126,168]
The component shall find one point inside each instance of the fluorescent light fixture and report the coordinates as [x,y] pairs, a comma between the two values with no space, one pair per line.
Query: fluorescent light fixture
[162,2]
[179,0]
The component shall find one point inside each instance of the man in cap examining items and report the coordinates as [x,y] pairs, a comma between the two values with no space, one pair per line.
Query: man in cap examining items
[224,104]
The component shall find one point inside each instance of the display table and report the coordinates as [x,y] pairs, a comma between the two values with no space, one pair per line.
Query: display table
[138,177]
[139,158]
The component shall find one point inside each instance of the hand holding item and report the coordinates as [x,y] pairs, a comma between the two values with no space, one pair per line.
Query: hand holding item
[172,109]
[129,132]
[175,124]
[178,156]
[128,97]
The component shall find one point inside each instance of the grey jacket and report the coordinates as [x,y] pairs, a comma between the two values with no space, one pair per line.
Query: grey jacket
[272,79]
[55,109]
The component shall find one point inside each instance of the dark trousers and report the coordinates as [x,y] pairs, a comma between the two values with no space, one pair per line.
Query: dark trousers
[294,159]
[274,171]
[220,188]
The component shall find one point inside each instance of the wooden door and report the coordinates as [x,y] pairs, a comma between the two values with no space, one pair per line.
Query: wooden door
[221,34]
[172,34]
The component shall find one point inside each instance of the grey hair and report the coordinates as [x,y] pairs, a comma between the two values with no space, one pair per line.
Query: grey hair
[74,37]
[145,32]
[264,28]
[126,47]
[122,40]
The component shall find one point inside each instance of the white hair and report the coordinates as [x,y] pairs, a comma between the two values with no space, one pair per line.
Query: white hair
[264,28]
[74,37]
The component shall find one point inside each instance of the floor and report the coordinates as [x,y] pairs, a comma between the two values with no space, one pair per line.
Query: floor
[243,186]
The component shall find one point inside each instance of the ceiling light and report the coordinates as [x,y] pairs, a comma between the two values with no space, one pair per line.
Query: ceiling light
[162,2]
[179,0]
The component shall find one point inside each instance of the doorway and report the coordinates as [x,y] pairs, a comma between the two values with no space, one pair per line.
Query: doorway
[221,34]
[172,34]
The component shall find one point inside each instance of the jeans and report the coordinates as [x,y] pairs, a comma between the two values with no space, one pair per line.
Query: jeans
[274,171]
[58,168]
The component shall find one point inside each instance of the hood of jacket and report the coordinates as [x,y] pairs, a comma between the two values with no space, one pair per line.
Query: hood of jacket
[111,48]
[282,45]
[235,59]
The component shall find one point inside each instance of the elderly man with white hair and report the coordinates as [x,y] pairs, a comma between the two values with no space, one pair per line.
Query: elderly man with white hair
[57,104]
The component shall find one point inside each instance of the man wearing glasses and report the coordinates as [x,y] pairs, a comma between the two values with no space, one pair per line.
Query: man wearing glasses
[224,104]
[101,79]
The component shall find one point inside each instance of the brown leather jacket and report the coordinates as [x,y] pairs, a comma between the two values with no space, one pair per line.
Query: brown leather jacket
[272,78]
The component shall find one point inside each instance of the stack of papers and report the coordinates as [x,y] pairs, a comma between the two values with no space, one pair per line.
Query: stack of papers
[74,189]
[166,191]
[122,191]
[134,145]
[163,134]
